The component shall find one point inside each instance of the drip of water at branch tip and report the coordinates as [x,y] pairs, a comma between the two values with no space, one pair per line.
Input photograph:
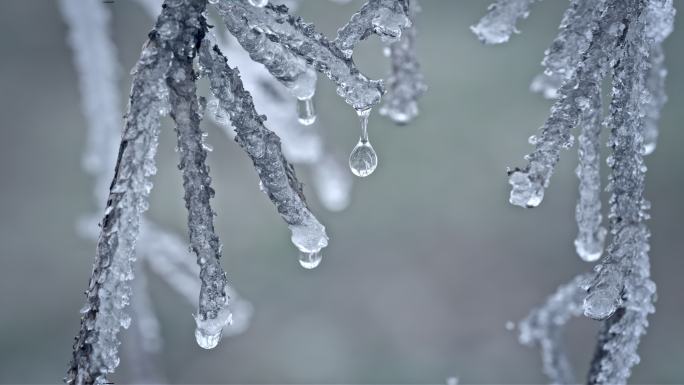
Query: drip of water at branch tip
[310,260]
[363,159]
[306,111]
[207,340]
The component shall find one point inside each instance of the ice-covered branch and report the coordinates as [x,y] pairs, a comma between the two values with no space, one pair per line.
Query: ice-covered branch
[620,39]
[300,144]
[213,313]
[528,183]
[628,208]
[406,83]
[277,176]
[167,256]
[544,327]
[499,23]
[565,53]
[276,39]
[386,18]
[96,64]
[96,346]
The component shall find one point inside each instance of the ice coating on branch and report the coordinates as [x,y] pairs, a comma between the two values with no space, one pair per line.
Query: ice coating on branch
[263,147]
[385,18]
[626,266]
[406,83]
[544,327]
[528,183]
[96,347]
[214,312]
[167,255]
[623,42]
[96,63]
[300,144]
[283,43]
[627,205]
[591,235]
[498,24]
[565,53]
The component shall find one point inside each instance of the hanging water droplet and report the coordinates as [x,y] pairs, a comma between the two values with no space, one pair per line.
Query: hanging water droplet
[310,260]
[363,159]
[258,3]
[206,340]
[213,1]
[306,111]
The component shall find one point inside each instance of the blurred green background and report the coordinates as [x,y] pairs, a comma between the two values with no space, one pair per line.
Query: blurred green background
[424,268]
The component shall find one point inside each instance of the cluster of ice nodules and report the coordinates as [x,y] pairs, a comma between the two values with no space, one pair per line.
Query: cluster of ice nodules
[498,24]
[659,20]
[601,303]
[208,331]
[525,192]
[388,24]
[309,236]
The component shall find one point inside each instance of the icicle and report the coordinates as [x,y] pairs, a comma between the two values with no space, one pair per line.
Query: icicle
[363,160]
[406,83]
[306,112]
[304,89]
[591,235]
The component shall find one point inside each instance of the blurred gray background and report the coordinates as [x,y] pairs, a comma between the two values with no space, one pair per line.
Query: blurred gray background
[424,268]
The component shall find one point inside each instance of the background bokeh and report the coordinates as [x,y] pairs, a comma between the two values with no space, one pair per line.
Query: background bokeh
[424,268]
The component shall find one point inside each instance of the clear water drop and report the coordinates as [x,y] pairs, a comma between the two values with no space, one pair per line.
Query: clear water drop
[213,1]
[363,159]
[258,3]
[306,111]
[207,340]
[310,260]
